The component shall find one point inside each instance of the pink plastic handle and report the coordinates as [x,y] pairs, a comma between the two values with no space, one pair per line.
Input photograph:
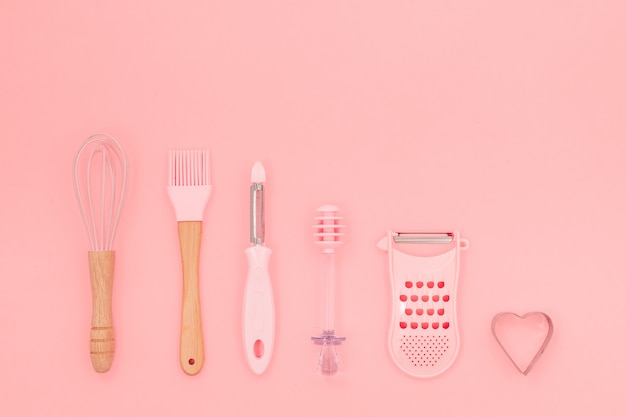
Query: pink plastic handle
[258,310]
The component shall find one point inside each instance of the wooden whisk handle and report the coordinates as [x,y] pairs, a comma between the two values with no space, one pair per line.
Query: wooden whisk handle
[191,340]
[102,343]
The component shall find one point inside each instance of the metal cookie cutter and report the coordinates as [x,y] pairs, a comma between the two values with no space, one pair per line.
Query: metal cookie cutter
[522,338]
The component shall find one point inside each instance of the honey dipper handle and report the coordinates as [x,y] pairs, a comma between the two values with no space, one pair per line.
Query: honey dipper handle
[191,341]
[102,343]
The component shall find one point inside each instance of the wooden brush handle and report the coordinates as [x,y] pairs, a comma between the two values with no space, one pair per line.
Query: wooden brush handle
[191,342]
[102,343]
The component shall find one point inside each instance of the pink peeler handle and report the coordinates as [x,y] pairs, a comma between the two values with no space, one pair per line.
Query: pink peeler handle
[258,310]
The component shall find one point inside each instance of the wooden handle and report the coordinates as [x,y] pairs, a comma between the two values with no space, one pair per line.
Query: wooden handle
[191,342]
[102,343]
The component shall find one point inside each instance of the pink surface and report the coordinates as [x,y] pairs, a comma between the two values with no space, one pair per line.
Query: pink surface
[504,120]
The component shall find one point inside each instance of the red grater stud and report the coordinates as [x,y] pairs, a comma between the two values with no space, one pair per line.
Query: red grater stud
[413,325]
[419,311]
[430,284]
[424,298]
[408,311]
[425,325]
[440,311]
[435,298]
[408,284]
[435,325]
[446,298]
[403,298]
[440,284]
[445,325]
[430,311]
[403,325]
[419,284]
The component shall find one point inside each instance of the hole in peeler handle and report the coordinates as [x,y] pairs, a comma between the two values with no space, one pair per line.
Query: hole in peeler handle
[192,361]
[258,348]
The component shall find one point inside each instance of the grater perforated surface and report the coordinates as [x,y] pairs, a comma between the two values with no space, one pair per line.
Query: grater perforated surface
[424,350]
[423,337]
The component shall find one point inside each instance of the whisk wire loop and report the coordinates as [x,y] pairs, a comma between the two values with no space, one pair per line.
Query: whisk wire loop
[104,159]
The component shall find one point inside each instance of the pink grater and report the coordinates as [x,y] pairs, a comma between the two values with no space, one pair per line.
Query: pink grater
[424,334]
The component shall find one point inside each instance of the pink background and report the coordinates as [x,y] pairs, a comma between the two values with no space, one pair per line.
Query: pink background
[502,119]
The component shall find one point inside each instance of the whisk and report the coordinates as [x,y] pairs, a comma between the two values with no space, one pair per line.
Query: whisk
[328,234]
[100,186]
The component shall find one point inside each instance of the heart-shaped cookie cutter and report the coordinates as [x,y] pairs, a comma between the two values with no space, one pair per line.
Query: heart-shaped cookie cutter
[542,347]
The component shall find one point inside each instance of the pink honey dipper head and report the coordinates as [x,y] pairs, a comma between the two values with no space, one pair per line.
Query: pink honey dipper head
[328,228]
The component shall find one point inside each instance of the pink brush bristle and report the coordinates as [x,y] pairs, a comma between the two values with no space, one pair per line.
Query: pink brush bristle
[189,168]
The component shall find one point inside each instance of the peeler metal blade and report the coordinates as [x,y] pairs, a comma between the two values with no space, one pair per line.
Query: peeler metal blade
[257,209]
[423,237]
